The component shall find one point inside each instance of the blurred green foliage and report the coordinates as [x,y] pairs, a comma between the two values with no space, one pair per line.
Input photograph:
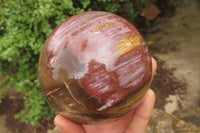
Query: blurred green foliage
[24,27]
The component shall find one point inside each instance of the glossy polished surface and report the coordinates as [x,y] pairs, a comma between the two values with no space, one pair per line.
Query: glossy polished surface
[95,66]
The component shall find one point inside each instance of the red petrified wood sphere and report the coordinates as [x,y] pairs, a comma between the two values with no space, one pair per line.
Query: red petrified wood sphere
[95,66]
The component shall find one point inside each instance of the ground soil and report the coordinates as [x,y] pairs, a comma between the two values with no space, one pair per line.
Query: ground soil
[175,42]
[12,104]
[175,47]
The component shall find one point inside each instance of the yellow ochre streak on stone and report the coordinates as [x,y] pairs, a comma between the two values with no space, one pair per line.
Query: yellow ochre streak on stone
[127,44]
[103,26]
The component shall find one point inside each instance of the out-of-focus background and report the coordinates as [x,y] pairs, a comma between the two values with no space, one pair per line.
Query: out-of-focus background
[171,29]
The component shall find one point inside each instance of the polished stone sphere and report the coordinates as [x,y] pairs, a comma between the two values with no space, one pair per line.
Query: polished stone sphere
[95,67]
